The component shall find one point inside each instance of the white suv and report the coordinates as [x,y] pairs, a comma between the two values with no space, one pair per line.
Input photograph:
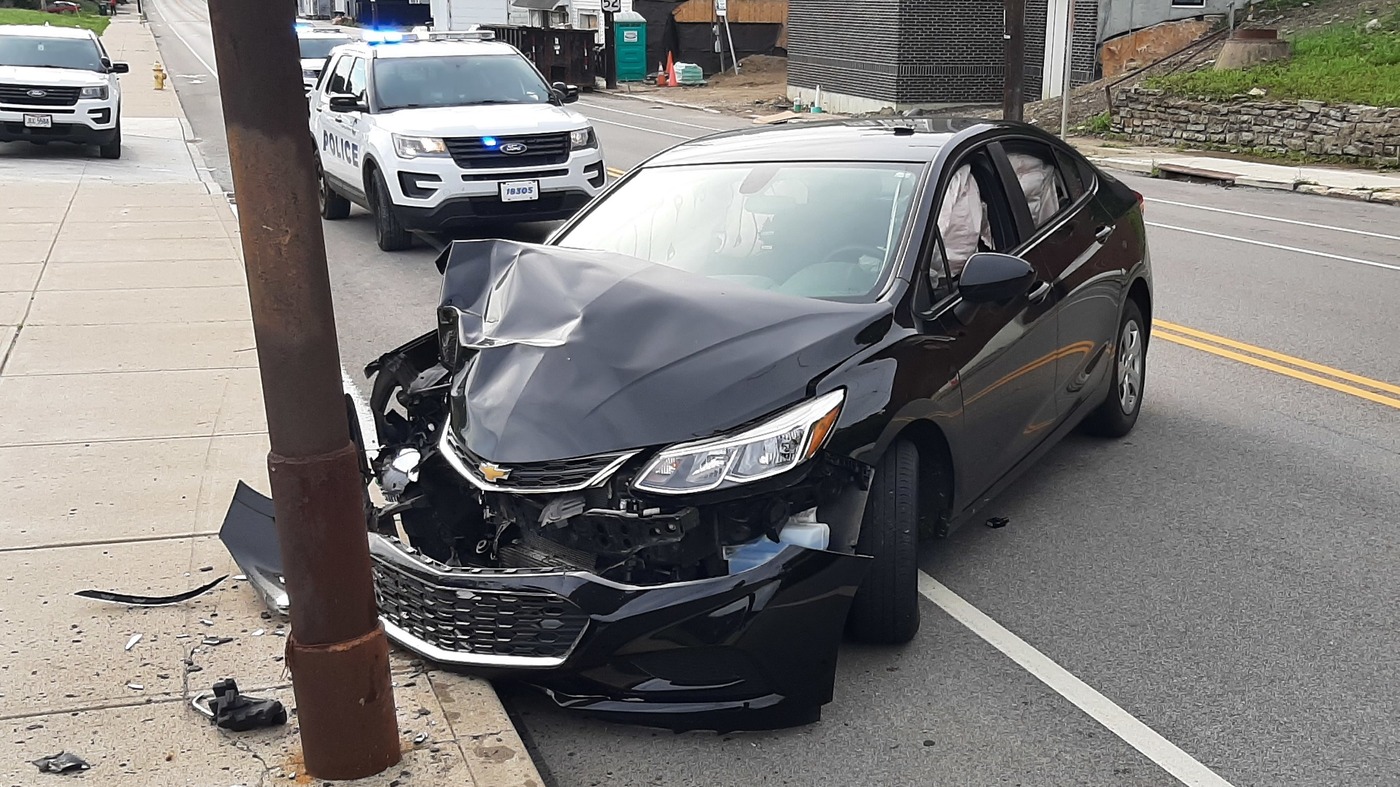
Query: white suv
[57,84]
[439,132]
[316,42]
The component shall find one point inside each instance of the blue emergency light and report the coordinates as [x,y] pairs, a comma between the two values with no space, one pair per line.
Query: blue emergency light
[489,142]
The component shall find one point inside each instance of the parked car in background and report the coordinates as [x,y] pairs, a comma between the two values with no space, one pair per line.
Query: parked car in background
[63,7]
[57,84]
[660,463]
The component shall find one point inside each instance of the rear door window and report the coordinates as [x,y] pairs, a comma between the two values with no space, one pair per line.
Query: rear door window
[1043,184]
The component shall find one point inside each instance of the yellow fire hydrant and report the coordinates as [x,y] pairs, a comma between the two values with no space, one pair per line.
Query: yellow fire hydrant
[159,74]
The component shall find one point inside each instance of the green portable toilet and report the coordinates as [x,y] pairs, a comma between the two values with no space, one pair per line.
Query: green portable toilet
[630,33]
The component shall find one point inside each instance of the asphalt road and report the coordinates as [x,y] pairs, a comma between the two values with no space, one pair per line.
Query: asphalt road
[1211,601]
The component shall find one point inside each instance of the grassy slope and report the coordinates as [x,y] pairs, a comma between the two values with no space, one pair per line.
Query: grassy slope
[16,16]
[1342,64]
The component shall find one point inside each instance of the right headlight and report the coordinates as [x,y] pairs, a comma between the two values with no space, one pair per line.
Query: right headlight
[583,139]
[774,446]
[413,147]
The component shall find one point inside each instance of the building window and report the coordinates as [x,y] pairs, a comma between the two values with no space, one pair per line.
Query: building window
[1188,3]
[587,21]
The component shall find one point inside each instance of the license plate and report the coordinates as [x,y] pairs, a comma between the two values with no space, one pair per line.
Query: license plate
[38,121]
[520,191]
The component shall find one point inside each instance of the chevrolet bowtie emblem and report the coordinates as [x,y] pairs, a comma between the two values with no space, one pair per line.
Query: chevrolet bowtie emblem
[493,473]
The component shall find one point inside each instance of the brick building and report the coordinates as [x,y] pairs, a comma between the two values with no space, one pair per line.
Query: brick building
[906,53]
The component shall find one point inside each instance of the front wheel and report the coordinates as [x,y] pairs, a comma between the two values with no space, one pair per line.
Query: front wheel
[1119,412]
[389,233]
[886,608]
[113,149]
[333,206]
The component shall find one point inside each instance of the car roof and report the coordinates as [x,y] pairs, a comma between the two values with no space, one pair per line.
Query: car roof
[912,140]
[430,49]
[45,31]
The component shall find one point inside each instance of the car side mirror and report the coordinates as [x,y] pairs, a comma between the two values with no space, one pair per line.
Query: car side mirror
[119,68]
[343,103]
[993,278]
[567,94]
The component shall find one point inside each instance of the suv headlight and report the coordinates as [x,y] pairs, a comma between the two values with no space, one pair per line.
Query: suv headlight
[583,139]
[98,92]
[774,446]
[413,147]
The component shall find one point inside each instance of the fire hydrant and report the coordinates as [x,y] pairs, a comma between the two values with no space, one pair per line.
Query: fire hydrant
[159,74]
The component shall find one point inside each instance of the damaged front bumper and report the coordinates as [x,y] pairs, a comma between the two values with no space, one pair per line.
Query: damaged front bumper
[752,650]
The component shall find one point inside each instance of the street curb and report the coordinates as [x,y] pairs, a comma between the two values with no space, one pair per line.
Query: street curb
[1147,167]
[662,101]
[486,729]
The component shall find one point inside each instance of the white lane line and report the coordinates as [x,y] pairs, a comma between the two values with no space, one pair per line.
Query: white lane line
[1182,766]
[1276,218]
[175,31]
[1278,246]
[639,128]
[649,117]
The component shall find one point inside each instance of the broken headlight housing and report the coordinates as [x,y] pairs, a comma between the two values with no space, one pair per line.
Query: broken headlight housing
[775,446]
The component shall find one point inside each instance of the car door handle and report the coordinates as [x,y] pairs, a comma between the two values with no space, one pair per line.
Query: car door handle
[1102,233]
[1038,294]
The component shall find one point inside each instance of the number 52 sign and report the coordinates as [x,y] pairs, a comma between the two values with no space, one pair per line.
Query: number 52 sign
[612,6]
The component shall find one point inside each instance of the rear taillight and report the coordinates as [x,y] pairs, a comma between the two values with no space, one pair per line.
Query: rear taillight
[1142,206]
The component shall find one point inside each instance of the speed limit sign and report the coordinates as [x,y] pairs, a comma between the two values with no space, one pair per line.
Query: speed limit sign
[612,6]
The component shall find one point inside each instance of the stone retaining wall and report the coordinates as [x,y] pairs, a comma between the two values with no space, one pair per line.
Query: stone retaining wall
[1367,135]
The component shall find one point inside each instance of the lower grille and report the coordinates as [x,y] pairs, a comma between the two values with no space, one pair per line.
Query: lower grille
[524,624]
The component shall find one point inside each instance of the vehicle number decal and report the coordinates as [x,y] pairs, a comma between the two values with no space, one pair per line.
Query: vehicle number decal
[341,148]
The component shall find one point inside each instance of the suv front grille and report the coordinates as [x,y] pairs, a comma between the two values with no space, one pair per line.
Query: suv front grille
[516,624]
[552,476]
[541,150]
[52,96]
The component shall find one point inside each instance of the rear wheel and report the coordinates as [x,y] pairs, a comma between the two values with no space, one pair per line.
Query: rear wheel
[333,206]
[886,608]
[389,233]
[1119,412]
[113,149]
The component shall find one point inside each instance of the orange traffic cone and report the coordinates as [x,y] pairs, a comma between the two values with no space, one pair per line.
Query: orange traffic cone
[671,71]
[662,77]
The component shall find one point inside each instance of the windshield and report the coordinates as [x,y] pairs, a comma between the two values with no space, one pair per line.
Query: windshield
[457,81]
[816,230]
[50,52]
[319,48]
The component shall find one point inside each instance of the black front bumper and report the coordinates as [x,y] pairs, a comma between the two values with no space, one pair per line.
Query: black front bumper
[465,212]
[754,650]
[60,132]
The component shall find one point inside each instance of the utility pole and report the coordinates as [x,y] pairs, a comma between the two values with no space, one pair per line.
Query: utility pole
[1013,95]
[610,7]
[337,652]
[1069,66]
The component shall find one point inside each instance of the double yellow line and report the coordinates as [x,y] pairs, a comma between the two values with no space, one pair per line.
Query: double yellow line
[615,172]
[1287,365]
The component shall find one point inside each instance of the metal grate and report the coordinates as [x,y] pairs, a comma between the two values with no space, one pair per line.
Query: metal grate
[541,150]
[47,96]
[518,624]
[544,476]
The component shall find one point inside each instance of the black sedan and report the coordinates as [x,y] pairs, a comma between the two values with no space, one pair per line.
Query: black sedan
[658,464]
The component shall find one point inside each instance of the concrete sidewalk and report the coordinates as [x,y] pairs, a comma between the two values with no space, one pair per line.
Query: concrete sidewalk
[130,406]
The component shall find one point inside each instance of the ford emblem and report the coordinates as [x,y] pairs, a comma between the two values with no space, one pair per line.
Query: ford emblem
[514,148]
[37,93]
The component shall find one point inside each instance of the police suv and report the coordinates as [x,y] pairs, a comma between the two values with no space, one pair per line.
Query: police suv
[434,131]
[57,84]
[316,42]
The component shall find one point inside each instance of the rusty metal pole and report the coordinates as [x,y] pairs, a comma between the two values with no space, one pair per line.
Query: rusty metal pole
[337,651]
[1014,87]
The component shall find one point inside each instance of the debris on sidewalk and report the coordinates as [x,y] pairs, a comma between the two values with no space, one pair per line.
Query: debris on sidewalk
[131,643]
[998,522]
[148,601]
[231,710]
[62,762]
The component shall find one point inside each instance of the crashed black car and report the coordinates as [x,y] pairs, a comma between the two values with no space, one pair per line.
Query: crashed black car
[660,463]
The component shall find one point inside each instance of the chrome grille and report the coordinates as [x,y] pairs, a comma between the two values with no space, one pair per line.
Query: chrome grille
[52,96]
[517,624]
[541,150]
[548,476]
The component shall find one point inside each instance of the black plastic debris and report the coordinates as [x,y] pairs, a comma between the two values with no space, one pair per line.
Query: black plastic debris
[998,521]
[232,710]
[148,601]
[63,762]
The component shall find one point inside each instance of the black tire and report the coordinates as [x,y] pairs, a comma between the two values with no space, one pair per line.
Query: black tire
[1119,412]
[113,149]
[334,207]
[886,607]
[388,232]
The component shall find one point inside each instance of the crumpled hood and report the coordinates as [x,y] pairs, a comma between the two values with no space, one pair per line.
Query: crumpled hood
[54,77]
[581,352]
